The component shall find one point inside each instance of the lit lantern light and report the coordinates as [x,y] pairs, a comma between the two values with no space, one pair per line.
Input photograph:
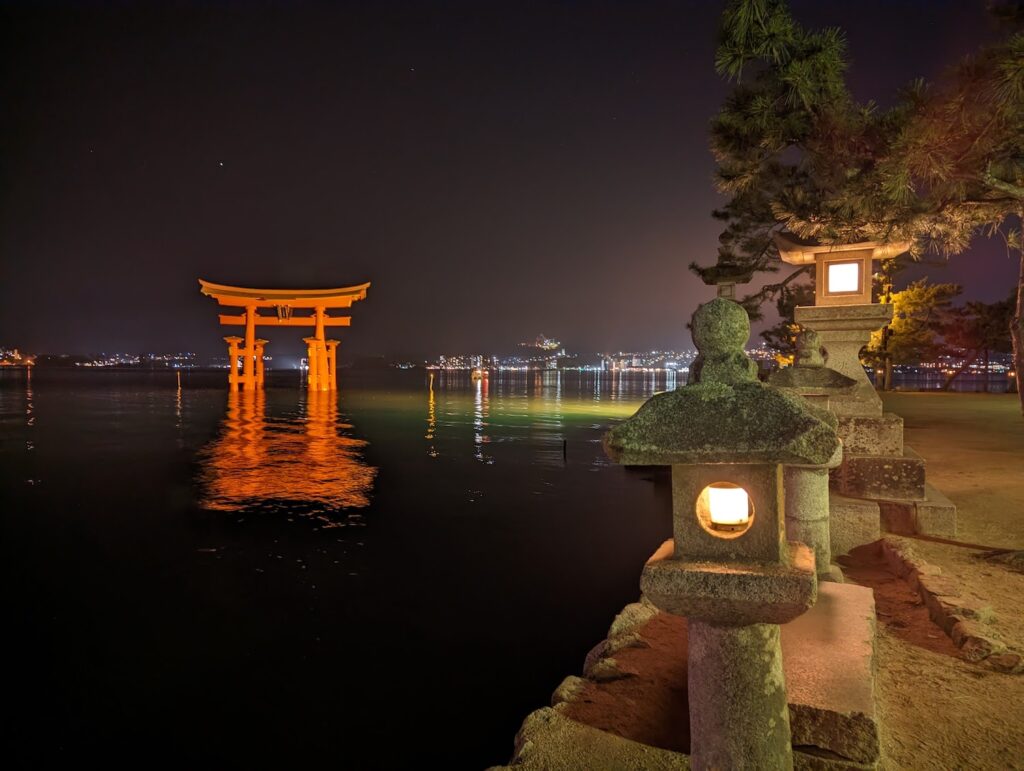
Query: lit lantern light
[724,510]
[729,507]
[843,278]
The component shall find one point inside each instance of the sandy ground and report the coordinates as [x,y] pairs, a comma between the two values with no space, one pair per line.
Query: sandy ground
[939,711]
[974,448]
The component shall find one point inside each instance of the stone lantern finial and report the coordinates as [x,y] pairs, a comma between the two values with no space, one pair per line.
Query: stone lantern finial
[720,328]
[809,350]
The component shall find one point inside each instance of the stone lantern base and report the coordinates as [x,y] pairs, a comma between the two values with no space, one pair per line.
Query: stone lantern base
[731,594]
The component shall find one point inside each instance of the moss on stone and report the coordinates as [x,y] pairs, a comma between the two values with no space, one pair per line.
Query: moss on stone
[728,416]
[720,325]
[720,423]
[720,329]
[812,379]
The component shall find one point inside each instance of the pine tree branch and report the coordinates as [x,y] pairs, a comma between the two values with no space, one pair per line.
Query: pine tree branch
[770,290]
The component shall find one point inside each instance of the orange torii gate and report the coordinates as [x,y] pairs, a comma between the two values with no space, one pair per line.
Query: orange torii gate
[323,353]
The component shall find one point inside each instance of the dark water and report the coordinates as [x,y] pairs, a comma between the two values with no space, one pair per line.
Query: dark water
[389,578]
[996,383]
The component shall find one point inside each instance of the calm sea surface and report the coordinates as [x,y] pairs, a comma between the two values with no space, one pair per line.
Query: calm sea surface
[388,577]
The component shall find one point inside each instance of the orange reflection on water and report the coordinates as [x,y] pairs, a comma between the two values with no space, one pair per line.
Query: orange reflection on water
[256,460]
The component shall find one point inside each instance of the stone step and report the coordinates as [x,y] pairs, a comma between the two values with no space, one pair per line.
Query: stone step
[853,522]
[897,517]
[871,434]
[828,659]
[935,515]
[882,477]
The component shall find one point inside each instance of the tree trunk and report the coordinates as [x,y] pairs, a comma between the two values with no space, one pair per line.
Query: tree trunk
[886,356]
[986,370]
[967,363]
[1017,323]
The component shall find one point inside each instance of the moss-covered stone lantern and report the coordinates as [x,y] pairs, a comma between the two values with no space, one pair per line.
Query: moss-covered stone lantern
[729,568]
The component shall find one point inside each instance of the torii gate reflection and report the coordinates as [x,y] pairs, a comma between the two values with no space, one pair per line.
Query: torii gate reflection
[258,460]
[323,353]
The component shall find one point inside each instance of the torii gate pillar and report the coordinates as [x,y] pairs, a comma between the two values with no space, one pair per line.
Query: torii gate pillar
[259,362]
[322,365]
[313,363]
[232,360]
[249,362]
[332,364]
[322,356]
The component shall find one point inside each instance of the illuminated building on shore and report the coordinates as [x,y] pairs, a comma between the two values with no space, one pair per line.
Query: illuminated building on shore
[14,358]
[547,354]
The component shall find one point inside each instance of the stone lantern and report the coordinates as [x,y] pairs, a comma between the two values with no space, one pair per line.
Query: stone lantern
[881,481]
[843,314]
[725,274]
[729,568]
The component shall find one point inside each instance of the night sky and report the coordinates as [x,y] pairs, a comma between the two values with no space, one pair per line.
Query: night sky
[495,169]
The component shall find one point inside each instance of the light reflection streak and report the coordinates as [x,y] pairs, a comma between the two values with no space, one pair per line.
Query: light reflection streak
[540,408]
[257,460]
[481,409]
[30,417]
[549,423]
[431,418]
[30,410]
[179,423]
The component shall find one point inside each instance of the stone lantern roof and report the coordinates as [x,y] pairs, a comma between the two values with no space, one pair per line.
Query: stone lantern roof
[802,251]
[729,416]
[719,423]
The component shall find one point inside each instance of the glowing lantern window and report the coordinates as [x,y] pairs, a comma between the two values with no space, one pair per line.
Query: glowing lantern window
[843,277]
[724,509]
[728,505]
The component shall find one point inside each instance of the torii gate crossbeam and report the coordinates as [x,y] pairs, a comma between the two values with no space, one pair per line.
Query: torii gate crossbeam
[323,353]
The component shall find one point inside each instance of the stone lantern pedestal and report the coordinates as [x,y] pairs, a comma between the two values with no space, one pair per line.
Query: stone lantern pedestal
[843,331]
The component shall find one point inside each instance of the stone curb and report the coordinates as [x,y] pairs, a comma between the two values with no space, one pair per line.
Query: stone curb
[963,618]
